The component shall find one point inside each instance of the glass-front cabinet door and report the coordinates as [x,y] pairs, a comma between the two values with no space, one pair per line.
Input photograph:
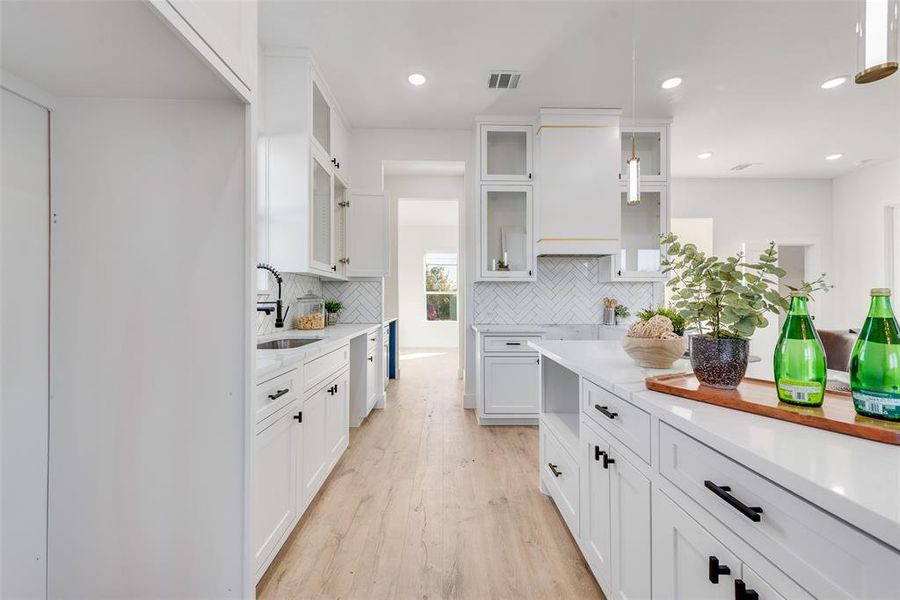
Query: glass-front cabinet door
[506,152]
[650,146]
[642,225]
[320,256]
[507,232]
[321,118]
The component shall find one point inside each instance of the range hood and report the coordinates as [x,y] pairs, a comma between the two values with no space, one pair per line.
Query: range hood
[579,205]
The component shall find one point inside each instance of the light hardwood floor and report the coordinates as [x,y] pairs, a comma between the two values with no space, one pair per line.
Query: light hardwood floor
[427,504]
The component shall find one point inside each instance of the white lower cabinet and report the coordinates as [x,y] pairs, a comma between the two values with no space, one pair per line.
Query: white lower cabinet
[337,415]
[274,484]
[512,384]
[371,387]
[615,518]
[313,463]
[688,562]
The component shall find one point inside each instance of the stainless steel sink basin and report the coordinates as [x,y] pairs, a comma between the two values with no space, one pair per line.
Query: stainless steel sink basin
[286,343]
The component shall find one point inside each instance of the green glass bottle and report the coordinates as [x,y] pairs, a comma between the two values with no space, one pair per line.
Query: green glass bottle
[875,362]
[800,369]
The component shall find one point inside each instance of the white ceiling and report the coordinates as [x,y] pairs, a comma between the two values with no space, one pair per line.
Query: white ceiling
[752,72]
[98,48]
[425,211]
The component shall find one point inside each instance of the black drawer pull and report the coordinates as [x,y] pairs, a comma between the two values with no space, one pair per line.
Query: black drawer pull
[279,394]
[371,358]
[553,468]
[513,343]
[605,411]
[742,593]
[607,460]
[298,417]
[715,569]
[751,512]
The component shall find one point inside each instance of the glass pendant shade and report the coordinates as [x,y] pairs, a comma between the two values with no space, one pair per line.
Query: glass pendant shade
[634,177]
[876,39]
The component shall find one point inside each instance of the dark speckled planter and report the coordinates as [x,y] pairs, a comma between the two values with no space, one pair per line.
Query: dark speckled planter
[719,363]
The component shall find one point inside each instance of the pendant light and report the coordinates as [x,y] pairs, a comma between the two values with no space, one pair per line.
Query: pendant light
[634,163]
[876,39]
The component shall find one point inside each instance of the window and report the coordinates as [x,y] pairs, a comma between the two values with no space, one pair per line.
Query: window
[440,287]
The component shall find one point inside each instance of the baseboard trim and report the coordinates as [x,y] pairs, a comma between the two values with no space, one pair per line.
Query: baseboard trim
[469,401]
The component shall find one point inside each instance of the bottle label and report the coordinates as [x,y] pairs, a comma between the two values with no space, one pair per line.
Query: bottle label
[800,391]
[877,403]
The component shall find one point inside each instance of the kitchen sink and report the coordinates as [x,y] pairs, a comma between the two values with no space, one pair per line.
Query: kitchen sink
[286,343]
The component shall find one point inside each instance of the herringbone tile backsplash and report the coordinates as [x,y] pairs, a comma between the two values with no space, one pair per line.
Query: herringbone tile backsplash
[362,299]
[567,291]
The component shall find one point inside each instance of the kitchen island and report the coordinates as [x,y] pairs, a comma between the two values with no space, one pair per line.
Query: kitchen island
[672,498]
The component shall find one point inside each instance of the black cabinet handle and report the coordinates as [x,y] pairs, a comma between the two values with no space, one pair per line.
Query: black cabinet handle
[605,411]
[554,468]
[529,273]
[513,343]
[742,593]
[607,460]
[298,417]
[371,358]
[715,569]
[529,176]
[598,453]
[619,273]
[279,394]
[371,339]
[751,512]
[334,268]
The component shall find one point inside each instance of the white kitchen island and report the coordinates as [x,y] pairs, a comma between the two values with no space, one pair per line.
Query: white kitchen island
[672,498]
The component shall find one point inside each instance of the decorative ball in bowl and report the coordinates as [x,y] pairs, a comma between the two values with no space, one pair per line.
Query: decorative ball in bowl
[653,343]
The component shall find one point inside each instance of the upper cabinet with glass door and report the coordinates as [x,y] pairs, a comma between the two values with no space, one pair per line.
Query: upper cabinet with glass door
[507,232]
[506,153]
[650,146]
[642,224]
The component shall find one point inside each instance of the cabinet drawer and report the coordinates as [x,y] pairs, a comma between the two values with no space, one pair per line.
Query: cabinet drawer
[823,554]
[271,395]
[321,367]
[628,423]
[510,343]
[559,472]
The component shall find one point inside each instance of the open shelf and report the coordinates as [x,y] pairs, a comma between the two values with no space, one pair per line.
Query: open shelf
[560,402]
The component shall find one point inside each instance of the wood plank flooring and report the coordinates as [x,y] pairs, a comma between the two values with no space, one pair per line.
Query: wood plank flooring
[427,504]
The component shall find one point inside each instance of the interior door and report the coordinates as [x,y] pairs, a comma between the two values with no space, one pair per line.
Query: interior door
[24,376]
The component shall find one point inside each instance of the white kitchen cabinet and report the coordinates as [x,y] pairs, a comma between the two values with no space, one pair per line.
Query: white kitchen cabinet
[226,35]
[651,146]
[274,484]
[688,562]
[596,534]
[630,518]
[506,152]
[340,206]
[371,385]
[578,154]
[314,455]
[340,146]
[368,244]
[512,384]
[321,117]
[641,225]
[337,414]
[507,232]
[321,238]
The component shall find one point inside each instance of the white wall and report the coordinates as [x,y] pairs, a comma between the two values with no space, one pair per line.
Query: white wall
[860,199]
[415,241]
[756,211]
[370,147]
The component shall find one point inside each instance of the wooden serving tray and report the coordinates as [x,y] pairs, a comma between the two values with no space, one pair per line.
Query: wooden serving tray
[758,396]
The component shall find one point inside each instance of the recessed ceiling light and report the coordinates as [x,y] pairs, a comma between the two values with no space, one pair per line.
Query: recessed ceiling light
[416,79]
[833,82]
[704,155]
[834,156]
[670,83]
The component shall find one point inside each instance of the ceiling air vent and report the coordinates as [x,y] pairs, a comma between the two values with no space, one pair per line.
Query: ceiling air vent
[742,166]
[504,80]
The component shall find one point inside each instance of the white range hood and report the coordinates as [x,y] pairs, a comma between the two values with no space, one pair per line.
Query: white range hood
[578,154]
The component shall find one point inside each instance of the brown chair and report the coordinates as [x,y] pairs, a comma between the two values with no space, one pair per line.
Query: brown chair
[838,346]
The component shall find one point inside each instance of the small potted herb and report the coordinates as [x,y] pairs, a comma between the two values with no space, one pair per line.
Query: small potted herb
[332,308]
[726,301]
[621,312]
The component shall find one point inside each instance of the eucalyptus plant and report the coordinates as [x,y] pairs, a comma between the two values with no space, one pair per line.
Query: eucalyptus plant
[726,298]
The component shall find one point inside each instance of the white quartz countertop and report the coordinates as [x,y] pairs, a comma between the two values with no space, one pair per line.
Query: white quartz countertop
[271,362]
[857,480]
[554,331]
[603,362]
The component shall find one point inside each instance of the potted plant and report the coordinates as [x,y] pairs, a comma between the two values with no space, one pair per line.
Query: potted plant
[726,301]
[621,313]
[332,308]
[652,341]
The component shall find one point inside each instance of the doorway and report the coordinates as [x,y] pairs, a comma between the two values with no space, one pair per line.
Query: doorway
[793,260]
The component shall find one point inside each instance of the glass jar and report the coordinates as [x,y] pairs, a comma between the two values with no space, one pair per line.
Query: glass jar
[310,312]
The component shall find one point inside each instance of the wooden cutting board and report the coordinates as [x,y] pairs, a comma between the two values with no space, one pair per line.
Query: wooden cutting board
[759,397]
